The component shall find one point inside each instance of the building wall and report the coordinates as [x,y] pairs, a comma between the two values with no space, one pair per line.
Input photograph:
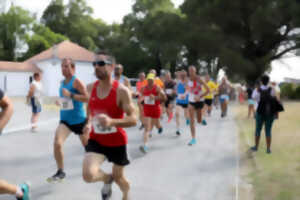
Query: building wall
[15,83]
[52,75]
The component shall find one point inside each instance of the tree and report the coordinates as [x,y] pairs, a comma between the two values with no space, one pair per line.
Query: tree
[42,39]
[249,34]
[13,27]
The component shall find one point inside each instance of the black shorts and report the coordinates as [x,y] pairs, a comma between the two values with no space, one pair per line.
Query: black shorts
[208,102]
[182,105]
[75,128]
[197,105]
[169,101]
[116,155]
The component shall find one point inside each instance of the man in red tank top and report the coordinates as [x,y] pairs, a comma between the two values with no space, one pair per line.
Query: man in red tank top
[196,96]
[108,102]
[152,95]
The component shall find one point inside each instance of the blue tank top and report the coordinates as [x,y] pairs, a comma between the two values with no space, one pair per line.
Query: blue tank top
[180,91]
[77,115]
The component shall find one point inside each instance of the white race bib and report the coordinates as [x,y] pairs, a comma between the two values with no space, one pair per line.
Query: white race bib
[98,129]
[223,96]
[66,104]
[190,84]
[192,97]
[181,96]
[149,101]
[169,91]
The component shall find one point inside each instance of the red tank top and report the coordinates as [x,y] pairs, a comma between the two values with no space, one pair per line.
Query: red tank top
[107,137]
[147,92]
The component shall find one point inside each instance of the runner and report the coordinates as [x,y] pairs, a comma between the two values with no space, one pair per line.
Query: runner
[182,100]
[153,95]
[34,99]
[108,102]
[118,76]
[170,90]
[196,97]
[224,91]
[208,99]
[20,191]
[72,94]
[139,85]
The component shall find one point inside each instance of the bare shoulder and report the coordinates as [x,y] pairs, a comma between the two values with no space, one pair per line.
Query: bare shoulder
[123,91]
[90,87]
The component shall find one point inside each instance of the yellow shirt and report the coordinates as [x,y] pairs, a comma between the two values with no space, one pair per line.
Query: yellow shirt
[212,90]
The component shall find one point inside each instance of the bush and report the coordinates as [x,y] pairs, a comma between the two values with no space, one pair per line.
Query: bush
[287,91]
[297,92]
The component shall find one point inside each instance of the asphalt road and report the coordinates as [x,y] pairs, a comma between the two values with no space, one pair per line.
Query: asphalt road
[172,170]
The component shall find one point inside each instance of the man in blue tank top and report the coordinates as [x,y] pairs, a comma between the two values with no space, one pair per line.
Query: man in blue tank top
[182,100]
[73,94]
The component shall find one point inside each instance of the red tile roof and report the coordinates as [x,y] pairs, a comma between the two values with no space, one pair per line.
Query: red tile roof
[65,49]
[18,67]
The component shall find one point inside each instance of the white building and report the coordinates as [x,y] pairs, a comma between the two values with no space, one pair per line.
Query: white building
[15,77]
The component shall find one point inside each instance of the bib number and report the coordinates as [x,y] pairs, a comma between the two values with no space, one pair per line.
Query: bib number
[169,91]
[98,129]
[149,101]
[181,96]
[66,104]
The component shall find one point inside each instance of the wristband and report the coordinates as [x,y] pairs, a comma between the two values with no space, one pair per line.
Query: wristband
[72,96]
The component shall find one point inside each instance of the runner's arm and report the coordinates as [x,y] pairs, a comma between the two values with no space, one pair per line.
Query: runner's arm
[88,113]
[207,91]
[6,113]
[127,84]
[83,94]
[126,103]
[161,95]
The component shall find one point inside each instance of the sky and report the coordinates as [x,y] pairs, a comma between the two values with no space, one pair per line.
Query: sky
[108,10]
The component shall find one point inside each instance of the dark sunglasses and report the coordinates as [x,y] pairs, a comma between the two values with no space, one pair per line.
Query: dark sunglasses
[101,63]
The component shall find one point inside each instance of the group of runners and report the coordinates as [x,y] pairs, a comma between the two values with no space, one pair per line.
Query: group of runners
[111,108]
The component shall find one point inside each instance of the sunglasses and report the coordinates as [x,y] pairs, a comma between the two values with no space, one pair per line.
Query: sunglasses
[101,63]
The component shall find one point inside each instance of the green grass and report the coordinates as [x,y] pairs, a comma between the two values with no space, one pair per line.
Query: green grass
[277,176]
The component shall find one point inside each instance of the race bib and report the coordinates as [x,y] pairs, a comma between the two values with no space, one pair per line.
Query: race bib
[192,97]
[66,104]
[224,96]
[181,96]
[98,129]
[190,84]
[169,91]
[149,101]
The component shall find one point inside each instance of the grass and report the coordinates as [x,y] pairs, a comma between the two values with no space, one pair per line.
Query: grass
[277,176]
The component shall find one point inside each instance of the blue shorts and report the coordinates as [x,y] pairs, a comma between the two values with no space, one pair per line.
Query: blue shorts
[224,98]
[36,108]
[251,102]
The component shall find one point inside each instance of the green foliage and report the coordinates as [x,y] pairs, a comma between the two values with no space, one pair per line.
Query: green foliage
[13,27]
[290,91]
[42,39]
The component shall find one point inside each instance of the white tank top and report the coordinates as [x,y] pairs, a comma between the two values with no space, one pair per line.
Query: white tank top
[38,89]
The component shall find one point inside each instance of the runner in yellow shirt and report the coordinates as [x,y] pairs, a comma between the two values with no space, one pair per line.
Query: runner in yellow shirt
[209,98]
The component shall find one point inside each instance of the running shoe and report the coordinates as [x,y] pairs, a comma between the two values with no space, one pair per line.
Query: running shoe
[141,127]
[192,142]
[178,133]
[187,122]
[144,149]
[254,148]
[106,190]
[25,190]
[160,130]
[58,177]
[170,117]
[269,151]
[204,123]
